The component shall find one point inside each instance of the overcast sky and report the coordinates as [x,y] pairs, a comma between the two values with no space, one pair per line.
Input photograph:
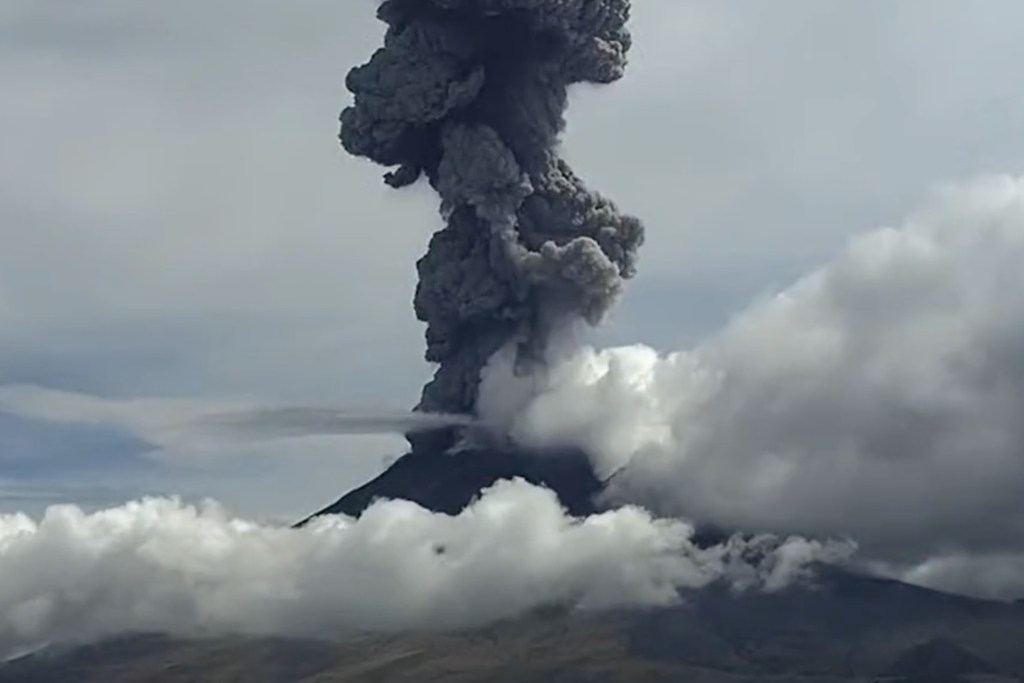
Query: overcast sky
[178,222]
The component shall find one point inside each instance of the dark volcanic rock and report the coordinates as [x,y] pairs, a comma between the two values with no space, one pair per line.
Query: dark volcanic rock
[939,657]
[840,623]
[448,482]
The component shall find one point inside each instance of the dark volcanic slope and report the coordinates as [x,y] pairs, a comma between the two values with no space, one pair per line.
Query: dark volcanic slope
[845,623]
[849,628]
[939,657]
[448,482]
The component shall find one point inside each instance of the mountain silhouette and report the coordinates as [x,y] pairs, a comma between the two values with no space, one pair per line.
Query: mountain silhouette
[447,481]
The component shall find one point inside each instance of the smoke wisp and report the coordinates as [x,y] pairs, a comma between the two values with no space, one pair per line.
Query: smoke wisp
[279,423]
[161,566]
[213,424]
[471,94]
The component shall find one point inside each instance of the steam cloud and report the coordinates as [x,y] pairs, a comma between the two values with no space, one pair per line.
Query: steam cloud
[160,566]
[879,398]
[471,93]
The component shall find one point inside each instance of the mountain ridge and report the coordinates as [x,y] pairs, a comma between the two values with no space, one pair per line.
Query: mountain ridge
[839,626]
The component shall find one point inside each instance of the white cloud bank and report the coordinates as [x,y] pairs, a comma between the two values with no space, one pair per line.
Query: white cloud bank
[879,397]
[159,565]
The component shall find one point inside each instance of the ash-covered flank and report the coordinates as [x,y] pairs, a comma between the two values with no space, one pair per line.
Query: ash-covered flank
[448,482]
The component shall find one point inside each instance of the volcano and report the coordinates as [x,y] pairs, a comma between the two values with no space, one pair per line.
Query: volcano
[447,481]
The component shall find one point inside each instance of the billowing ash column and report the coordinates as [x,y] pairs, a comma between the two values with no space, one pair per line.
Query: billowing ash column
[471,94]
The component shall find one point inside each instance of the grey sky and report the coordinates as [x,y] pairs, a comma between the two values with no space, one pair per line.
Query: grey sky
[178,220]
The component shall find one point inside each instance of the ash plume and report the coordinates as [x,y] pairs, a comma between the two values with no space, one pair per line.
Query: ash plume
[471,94]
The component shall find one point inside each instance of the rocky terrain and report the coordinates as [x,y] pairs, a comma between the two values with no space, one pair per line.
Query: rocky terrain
[842,628]
[448,482]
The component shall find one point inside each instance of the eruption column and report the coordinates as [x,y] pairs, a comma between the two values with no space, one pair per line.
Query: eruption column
[471,94]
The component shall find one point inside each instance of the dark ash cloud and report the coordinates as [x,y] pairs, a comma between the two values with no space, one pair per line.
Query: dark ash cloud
[472,95]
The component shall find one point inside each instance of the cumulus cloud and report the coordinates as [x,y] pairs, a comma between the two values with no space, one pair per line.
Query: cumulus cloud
[159,565]
[879,397]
